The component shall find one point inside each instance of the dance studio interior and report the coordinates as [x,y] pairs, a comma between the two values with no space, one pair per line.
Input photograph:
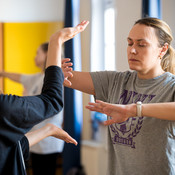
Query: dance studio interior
[25,24]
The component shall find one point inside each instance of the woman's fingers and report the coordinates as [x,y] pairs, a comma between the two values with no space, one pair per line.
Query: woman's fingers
[67,82]
[70,32]
[109,122]
[61,134]
[66,64]
[71,140]
[65,60]
[68,74]
[94,107]
[79,28]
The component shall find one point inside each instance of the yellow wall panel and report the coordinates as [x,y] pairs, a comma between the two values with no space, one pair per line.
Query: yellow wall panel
[21,41]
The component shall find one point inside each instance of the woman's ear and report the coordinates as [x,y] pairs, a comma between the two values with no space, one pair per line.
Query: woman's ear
[164,49]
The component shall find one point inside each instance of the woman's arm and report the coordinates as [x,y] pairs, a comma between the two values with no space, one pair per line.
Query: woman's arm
[165,111]
[120,113]
[81,81]
[58,38]
[12,76]
[25,112]
[46,131]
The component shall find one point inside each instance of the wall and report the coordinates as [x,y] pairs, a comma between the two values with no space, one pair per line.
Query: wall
[31,10]
[125,18]
[85,14]
[168,9]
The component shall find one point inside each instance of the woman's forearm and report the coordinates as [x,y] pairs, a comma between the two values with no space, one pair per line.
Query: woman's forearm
[38,135]
[120,113]
[46,131]
[12,76]
[82,81]
[165,111]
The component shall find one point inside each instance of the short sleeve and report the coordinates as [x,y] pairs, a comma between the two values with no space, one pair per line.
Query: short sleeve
[103,81]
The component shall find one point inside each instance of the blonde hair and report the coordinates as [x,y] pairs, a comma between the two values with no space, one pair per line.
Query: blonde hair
[164,36]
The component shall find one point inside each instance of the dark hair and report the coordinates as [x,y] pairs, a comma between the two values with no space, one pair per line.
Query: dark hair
[44,47]
[164,35]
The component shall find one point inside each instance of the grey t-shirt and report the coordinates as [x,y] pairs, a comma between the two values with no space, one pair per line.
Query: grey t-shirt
[141,145]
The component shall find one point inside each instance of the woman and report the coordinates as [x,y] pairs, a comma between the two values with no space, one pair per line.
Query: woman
[137,145]
[44,154]
[19,114]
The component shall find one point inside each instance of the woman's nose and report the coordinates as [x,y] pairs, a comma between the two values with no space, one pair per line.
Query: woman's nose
[133,50]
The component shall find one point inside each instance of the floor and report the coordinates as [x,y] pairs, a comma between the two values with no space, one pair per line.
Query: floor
[58,171]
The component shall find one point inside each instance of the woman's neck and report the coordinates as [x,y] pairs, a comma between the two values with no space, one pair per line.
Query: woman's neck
[150,74]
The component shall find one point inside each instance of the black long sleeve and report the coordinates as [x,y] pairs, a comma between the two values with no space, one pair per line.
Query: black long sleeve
[19,114]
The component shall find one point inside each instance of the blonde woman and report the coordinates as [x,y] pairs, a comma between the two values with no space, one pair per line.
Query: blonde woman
[140,145]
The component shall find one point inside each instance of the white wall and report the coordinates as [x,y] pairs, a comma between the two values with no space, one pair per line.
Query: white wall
[168,14]
[85,14]
[31,10]
[127,12]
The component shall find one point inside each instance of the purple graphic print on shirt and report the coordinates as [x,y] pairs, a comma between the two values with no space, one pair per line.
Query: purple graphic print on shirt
[126,131]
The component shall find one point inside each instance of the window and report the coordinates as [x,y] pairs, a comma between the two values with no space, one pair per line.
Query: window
[103,35]
[102,49]
[109,39]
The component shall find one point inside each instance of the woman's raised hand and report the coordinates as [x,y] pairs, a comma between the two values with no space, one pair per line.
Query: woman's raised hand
[58,38]
[68,33]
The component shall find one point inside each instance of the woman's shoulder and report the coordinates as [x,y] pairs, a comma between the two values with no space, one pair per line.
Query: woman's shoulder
[169,78]
[125,74]
[112,74]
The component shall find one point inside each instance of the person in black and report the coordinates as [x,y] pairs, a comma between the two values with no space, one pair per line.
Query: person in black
[19,114]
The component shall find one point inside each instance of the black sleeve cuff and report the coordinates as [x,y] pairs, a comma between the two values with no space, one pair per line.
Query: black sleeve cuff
[25,147]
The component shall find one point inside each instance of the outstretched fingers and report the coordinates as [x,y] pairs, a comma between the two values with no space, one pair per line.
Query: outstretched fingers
[118,113]
[95,107]
[69,139]
[79,28]
[66,68]
[61,134]
[65,62]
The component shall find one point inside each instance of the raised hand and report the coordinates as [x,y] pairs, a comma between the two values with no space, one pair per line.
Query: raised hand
[118,113]
[58,38]
[66,68]
[68,33]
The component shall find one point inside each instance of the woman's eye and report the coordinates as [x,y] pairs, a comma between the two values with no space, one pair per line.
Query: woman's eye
[141,45]
[130,44]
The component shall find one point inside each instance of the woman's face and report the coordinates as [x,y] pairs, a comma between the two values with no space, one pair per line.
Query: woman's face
[40,58]
[143,49]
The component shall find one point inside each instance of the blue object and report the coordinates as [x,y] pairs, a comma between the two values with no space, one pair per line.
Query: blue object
[151,8]
[97,118]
